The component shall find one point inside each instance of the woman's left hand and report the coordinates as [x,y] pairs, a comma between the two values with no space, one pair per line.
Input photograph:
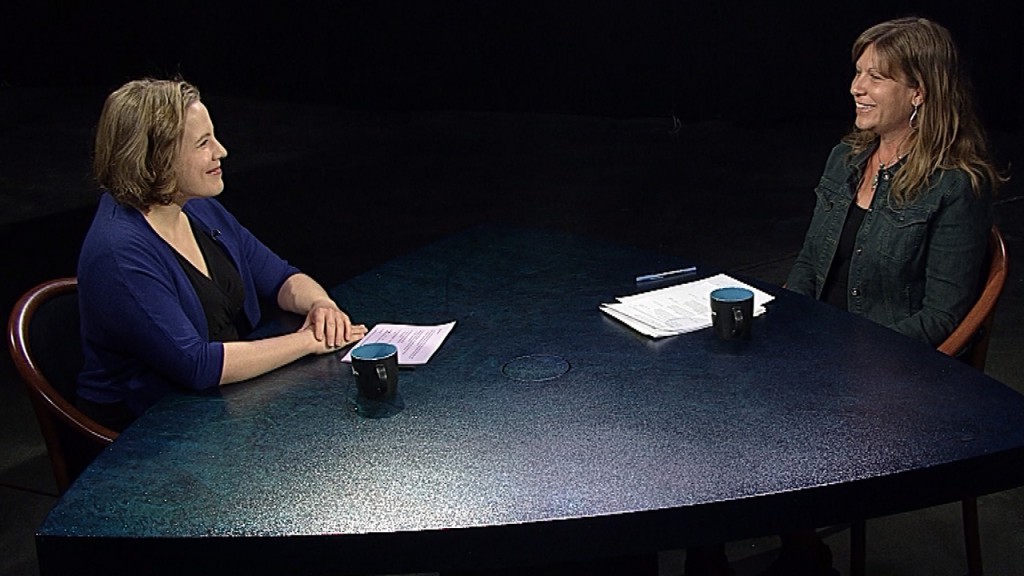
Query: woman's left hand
[331,326]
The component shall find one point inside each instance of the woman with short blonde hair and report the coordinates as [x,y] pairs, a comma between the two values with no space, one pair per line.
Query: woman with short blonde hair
[170,284]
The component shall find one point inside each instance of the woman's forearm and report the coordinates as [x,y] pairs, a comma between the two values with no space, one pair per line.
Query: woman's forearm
[247,359]
[299,293]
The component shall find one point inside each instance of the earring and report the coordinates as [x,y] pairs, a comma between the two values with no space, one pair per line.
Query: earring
[912,116]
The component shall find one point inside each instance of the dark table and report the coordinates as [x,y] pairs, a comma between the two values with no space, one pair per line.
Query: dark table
[542,431]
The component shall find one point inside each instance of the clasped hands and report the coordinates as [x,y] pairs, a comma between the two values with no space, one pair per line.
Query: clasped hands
[331,326]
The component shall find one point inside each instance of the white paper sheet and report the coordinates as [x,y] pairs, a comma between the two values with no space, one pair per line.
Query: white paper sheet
[676,309]
[415,343]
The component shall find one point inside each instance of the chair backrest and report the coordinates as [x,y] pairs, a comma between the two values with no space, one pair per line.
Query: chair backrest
[45,344]
[970,339]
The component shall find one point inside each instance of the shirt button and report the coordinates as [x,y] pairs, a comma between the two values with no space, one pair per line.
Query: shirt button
[860,250]
[855,292]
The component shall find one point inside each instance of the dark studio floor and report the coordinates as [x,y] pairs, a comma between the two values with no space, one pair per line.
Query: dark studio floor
[337,192]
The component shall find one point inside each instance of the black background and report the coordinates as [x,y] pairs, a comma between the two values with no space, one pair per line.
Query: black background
[738,60]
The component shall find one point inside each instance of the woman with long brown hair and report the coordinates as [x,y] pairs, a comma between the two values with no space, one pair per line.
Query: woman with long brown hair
[903,209]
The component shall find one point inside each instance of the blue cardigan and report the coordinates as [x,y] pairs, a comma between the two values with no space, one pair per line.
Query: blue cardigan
[143,326]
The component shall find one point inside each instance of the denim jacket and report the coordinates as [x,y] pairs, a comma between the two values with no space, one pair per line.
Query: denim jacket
[916,268]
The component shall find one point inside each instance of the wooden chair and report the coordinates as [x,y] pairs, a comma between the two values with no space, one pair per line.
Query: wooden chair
[970,339]
[44,340]
[969,342]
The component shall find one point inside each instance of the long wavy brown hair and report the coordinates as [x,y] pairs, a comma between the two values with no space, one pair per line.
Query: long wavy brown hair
[137,140]
[946,133]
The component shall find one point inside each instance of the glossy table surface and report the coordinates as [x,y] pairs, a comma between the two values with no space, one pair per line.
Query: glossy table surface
[541,431]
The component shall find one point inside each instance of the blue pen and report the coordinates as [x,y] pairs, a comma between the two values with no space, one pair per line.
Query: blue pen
[665,275]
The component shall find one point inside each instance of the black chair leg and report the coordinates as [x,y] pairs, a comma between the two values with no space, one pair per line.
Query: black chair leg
[972,536]
[858,547]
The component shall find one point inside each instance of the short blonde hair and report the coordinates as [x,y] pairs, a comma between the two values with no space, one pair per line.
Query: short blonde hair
[137,140]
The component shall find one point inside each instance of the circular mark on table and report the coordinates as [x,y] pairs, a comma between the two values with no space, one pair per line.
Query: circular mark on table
[535,368]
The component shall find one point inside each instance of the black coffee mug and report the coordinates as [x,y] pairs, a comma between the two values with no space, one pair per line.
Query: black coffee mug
[375,367]
[732,311]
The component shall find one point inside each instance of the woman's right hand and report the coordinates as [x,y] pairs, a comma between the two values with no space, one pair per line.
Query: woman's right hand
[320,346]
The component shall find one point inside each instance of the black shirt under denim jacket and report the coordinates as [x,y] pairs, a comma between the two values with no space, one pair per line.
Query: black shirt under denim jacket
[914,268]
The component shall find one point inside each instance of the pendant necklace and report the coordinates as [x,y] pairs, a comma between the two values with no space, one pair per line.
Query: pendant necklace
[882,172]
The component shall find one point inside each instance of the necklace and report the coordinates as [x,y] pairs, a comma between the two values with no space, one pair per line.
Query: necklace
[883,172]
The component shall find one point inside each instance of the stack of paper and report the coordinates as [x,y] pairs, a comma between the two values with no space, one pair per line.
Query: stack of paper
[676,309]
